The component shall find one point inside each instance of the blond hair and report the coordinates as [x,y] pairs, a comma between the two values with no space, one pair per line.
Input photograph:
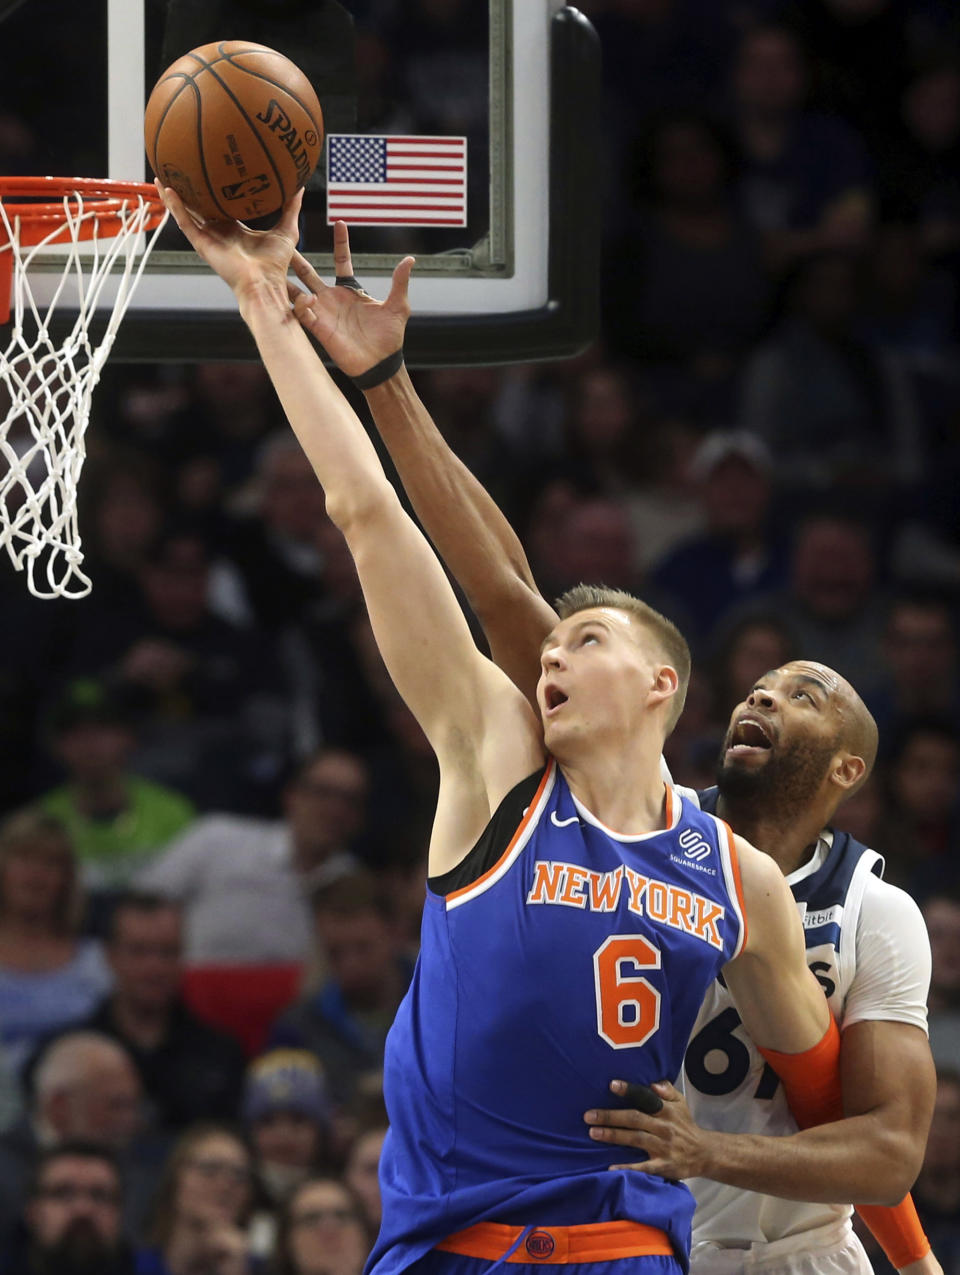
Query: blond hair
[29,829]
[670,642]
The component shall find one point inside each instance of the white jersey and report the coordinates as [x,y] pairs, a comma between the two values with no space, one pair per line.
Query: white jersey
[867,945]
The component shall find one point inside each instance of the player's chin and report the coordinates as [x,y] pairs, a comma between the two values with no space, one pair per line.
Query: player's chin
[558,737]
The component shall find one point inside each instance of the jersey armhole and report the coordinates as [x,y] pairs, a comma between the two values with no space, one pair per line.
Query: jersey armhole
[734,883]
[493,841]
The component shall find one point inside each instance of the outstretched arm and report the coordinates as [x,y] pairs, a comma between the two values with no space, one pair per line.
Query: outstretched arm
[483,732]
[468,529]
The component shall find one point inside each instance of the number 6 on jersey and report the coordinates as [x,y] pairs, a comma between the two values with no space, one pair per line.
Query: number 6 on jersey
[628,1007]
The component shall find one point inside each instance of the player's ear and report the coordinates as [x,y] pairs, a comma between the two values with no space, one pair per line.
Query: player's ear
[848,771]
[666,682]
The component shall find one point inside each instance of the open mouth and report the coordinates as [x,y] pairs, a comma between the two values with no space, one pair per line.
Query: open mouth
[553,697]
[748,736]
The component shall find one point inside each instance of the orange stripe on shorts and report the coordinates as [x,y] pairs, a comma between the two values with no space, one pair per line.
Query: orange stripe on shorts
[556,1245]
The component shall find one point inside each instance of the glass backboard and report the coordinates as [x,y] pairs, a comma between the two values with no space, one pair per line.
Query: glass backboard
[517,79]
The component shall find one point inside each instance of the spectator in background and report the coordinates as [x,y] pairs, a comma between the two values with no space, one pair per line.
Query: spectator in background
[32,645]
[334,669]
[908,308]
[202,1207]
[862,51]
[685,289]
[921,662]
[738,556]
[596,542]
[121,512]
[611,444]
[862,815]
[228,412]
[188,1070]
[346,1020]
[692,747]
[831,606]
[921,836]
[936,1191]
[322,1231]
[244,883]
[405,880]
[406,778]
[72,1219]
[604,427]
[834,411]
[50,977]
[744,651]
[287,1113]
[85,1086]
[116,818]
[666,508]
[275,546]
[805,178]
[361,1172]
[941,911]
[11,1102]
[463,402]
[920,164]
[207,694]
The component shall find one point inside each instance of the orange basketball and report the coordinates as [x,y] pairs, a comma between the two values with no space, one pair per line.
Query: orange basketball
[235,128]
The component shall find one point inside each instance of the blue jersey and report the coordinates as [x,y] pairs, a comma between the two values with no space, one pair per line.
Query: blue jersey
[557,956]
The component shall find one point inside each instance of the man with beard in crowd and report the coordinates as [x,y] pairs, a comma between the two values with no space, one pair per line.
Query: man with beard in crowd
[801,743]
[71,1223]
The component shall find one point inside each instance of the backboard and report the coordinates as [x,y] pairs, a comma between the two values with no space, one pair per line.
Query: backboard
[517,79]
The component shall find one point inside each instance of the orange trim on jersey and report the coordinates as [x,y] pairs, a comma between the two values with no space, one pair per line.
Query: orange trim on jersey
[558,1245]
[738,884]
[531,812]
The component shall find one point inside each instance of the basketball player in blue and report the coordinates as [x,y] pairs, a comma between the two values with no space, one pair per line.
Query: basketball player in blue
[784,774]
[578,909]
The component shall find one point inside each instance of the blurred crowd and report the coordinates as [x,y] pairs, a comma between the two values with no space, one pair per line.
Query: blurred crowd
[213,857]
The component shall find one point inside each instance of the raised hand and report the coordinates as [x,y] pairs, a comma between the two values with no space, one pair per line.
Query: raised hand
[243,258]
[356,330]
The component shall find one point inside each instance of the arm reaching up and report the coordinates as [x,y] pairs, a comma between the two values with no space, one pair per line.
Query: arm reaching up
[468,529]
[484,735]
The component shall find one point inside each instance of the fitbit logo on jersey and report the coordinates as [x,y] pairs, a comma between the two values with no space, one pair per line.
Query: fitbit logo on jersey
[693,845]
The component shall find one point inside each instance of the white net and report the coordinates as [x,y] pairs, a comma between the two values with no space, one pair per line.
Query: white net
[47,382]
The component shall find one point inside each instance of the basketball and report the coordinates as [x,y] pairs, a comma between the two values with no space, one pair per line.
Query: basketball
[234,128]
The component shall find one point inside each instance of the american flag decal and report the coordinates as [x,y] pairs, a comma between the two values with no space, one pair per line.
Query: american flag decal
[396,181]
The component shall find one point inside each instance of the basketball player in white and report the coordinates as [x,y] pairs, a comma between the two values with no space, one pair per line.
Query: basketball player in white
[784,751]
[781,781]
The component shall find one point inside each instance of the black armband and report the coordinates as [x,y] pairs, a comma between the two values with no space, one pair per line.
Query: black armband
[380,372]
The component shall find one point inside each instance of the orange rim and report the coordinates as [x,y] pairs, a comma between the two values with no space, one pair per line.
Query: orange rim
[106,207]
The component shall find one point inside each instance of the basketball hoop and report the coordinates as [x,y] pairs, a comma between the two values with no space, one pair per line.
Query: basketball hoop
[75,234]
